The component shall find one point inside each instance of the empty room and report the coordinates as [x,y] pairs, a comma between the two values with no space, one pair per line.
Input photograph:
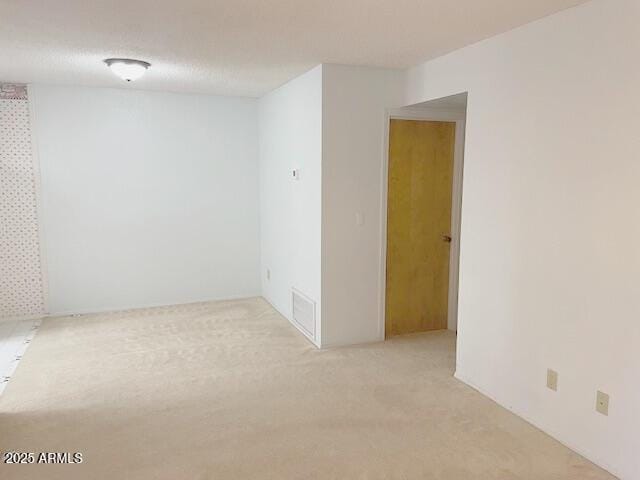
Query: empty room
[283,239]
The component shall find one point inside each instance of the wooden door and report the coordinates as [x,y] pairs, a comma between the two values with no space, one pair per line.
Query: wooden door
[418,225]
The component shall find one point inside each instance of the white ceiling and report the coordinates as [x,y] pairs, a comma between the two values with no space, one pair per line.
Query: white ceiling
[239,47]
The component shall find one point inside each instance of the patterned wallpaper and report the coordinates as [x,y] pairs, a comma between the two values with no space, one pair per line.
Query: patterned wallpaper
[21,283]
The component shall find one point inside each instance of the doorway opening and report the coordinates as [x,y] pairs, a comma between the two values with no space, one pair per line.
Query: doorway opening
[422,208]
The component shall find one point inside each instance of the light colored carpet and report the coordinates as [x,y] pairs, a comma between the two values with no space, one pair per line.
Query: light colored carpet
[230,390]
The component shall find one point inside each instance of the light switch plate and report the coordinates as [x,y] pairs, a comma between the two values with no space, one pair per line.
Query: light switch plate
[552,380]
[602,403]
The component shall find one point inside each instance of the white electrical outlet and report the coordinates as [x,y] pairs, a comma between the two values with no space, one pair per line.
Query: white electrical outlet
[602,403]
[552,380]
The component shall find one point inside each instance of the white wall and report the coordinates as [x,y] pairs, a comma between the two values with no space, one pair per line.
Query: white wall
[291,138]
[355,102]
[550,230]
[148,198]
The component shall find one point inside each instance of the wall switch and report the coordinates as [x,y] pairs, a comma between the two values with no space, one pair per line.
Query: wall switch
[296,173]
[552,380]
[268,274]
[602,403]
[359,219]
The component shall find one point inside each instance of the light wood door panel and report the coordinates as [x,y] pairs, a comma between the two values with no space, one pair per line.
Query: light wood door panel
[418,216]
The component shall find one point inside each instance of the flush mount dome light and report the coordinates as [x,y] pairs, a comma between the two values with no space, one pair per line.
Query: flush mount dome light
[126,68]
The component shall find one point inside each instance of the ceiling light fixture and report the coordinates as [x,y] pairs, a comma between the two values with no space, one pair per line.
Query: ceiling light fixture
[126,68]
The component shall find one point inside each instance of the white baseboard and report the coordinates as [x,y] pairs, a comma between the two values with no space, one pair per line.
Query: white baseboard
[68,313]
[591,456]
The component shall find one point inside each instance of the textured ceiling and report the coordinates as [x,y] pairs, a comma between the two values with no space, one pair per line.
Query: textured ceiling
[239,47]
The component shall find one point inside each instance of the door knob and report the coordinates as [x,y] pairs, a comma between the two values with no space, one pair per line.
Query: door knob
[446,238]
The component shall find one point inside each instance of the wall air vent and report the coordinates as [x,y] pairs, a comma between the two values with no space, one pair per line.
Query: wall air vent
[304,312]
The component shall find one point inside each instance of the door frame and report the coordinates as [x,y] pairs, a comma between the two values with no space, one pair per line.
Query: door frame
[438,115]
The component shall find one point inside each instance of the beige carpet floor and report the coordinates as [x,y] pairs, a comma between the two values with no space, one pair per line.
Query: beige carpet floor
[230,390]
